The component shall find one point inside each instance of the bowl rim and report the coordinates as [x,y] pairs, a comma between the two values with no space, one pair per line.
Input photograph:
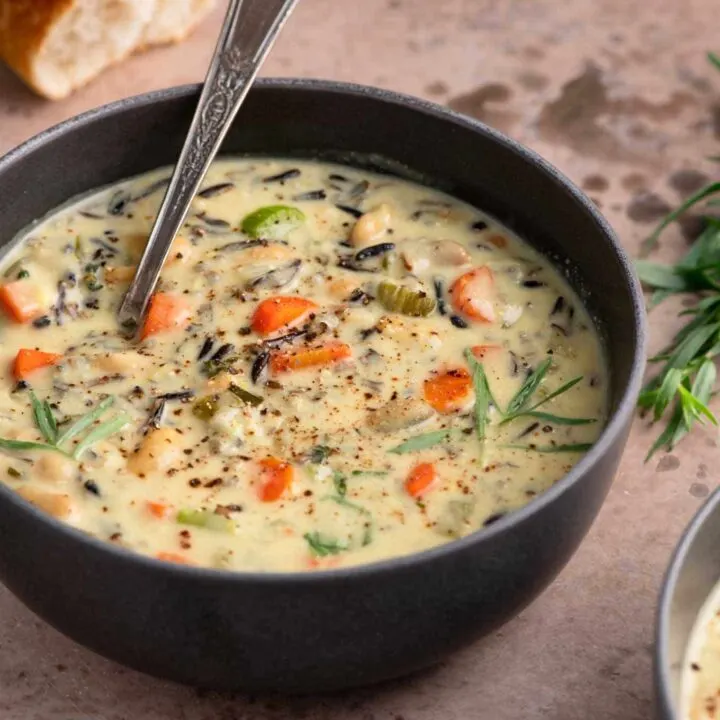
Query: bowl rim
[661,669]
[613,428]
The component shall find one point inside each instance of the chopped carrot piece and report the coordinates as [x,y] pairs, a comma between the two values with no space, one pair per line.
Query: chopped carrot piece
[166,312]
[308,357]
[158,509]
[472,294]
[173,558]
[28,360]
[420,479]
[277,477]
[277,312]
[447,391]
[21,300]
[484,352]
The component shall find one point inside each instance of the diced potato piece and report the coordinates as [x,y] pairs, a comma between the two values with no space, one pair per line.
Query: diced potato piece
[56,504]
[51,467]
[158,453]
[399,414]
[122,362]
[119,274]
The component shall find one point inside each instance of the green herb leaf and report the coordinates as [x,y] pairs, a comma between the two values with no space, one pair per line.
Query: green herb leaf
[569,448]
[323,546]
[691,345]
[319,454]
[44,419]
[659,276]
[421,442]
[85,421]
[100,433]
[339,483]
[657,297]
[694,409]
[482,394]
[559,391]
[211,368]
[671,435]
[649,244]
[556,419]
[714,59]
[342,500]
[374,473]
[704,381]
[47,425]
[531,384]
[664,395]
[18,445]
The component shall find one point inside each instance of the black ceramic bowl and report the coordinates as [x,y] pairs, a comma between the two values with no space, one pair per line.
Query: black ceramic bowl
[693,573]
[302,632]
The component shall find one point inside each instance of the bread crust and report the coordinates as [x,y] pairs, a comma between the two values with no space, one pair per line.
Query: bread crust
[24,26]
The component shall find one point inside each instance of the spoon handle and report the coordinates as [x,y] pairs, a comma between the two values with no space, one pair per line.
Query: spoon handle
[248,33]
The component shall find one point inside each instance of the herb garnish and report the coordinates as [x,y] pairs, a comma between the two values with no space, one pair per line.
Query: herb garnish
[319,454]
[681,391]
[212,367]
[520,405]
[483,396]
[54,440]
[344,502]
[339,483]
[421,442]
[323,546]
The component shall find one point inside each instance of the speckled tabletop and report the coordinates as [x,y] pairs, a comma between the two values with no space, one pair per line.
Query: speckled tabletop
[620,97]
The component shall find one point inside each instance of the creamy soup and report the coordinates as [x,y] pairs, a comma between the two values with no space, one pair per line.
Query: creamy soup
[337,367]
[700,684]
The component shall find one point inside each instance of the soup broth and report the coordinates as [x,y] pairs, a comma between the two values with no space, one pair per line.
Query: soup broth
[337,367]
[700,684]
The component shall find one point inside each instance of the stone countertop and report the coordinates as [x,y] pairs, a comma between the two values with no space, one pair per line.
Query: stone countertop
[620,97]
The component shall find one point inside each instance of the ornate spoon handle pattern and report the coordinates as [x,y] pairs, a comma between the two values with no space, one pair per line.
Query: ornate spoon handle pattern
[248,33]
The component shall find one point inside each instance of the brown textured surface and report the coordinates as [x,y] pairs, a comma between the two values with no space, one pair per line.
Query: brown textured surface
[620,97]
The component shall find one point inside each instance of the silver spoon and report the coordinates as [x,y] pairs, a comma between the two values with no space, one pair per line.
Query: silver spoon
[248,33]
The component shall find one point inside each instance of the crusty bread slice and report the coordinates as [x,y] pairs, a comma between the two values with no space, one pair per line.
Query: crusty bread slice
[174,20]
[57,46]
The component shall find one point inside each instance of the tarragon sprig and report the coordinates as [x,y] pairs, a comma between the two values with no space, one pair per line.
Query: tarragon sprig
[57,442]
[681,390]
[520,405]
